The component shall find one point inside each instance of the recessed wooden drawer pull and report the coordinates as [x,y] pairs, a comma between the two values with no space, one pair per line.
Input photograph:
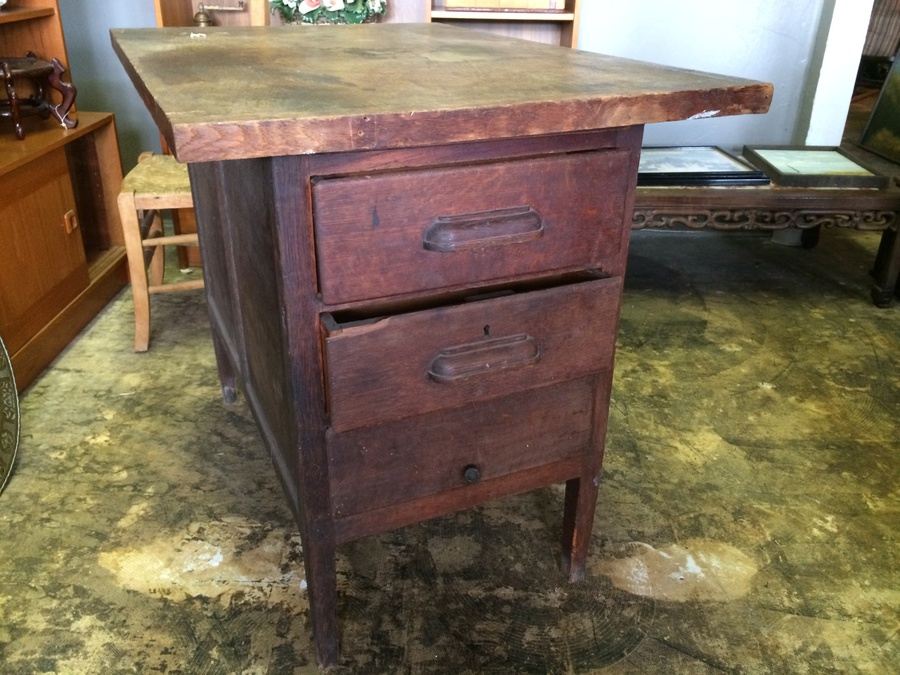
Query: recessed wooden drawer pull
[70,221]
[447,234]
[464,361]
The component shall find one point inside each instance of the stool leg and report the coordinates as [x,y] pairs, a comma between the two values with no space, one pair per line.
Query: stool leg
[134,250]
[157,270]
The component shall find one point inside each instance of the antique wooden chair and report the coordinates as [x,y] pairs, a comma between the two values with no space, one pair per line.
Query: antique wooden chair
[157,183]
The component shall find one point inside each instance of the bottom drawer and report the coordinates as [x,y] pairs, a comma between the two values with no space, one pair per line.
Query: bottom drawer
[396,462]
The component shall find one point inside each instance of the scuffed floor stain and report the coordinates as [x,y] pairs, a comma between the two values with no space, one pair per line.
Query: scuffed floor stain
[209,560]
[755,414]
[695,570]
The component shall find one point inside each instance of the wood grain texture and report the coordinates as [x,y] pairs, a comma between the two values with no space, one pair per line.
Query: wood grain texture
[370,229]
[396,85]
[379,371]
[45,137]
[432,506]
[42,266]
[266,335]
[377,467]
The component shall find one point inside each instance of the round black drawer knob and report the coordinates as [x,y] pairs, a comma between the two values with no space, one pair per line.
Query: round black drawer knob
[472,474]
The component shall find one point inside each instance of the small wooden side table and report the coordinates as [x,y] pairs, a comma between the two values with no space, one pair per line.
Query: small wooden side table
[414,259]
[42,75]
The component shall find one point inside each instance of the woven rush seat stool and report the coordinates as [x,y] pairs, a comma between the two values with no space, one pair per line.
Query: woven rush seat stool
[157,183]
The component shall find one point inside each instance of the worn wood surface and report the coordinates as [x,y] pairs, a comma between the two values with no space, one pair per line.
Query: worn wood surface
[379,144]
[376,467]
[411,231]
[380,371]
[251,92]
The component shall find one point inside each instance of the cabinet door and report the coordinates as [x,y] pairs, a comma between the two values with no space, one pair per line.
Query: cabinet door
[42,262]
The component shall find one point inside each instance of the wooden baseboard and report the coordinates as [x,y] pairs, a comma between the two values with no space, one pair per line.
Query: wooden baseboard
[107,277]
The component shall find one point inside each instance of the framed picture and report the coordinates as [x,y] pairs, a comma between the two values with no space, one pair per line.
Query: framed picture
[882,134]
[812,166]
[695,165]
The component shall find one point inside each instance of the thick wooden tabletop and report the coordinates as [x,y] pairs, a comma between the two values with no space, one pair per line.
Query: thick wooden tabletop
[233,93]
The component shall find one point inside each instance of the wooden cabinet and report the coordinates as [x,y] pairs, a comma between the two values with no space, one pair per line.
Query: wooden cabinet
[43,267]
[418,288]
[61,257]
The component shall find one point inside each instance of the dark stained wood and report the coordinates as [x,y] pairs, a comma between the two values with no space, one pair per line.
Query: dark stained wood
[295,262]
[271,346]
[581,492]
[379,371]
[373,468]
[417,510]
[777,208]
[377,235]
[384,393]
[366,161]
[397,85]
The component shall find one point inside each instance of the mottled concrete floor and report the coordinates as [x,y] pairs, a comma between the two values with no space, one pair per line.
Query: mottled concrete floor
[747,519]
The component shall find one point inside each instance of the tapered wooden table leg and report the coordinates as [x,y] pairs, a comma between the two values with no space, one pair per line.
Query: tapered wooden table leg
[578,520]
[321,579]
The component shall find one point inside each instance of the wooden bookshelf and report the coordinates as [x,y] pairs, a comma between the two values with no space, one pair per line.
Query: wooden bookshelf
[61,253]
[552,27]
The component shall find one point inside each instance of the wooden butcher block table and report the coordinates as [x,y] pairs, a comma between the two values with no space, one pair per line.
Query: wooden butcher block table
[414,238]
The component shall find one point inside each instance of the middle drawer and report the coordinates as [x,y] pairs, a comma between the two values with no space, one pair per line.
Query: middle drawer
[401,232]
[409,364]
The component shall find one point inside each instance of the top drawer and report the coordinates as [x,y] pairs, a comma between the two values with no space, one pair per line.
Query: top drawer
[400,232]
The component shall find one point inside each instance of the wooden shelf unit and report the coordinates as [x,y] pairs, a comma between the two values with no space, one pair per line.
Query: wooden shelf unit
[61,252]
[16,14]
[181,12]
[550,27]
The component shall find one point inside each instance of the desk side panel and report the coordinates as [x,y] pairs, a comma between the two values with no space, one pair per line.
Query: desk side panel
[236,225]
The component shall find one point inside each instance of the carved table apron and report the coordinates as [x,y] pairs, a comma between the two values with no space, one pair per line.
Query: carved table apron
[414,268]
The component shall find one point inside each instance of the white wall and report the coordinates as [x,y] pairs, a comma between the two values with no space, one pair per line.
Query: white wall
[101,81]
[778,41]
[831,88]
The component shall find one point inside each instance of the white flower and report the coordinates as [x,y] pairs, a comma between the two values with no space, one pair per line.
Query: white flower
[333,5]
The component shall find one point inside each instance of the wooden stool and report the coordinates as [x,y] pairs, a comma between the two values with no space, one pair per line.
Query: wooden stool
[158,182]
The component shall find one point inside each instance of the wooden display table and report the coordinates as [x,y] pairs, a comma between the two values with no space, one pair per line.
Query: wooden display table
[414,258]
[777,208]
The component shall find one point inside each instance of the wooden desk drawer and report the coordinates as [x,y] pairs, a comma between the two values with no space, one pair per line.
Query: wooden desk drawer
[400,232]
[443,358]
[401,461]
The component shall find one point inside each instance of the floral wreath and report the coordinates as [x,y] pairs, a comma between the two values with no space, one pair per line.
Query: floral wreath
[328,11]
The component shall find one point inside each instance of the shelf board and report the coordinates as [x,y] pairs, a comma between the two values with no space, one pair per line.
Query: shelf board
[41,137]
[13,15]
[502,16]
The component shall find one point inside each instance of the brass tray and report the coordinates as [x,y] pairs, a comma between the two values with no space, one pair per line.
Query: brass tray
[9,417]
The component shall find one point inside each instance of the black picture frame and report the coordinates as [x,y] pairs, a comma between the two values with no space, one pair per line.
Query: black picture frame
[695,165]
[813,166]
